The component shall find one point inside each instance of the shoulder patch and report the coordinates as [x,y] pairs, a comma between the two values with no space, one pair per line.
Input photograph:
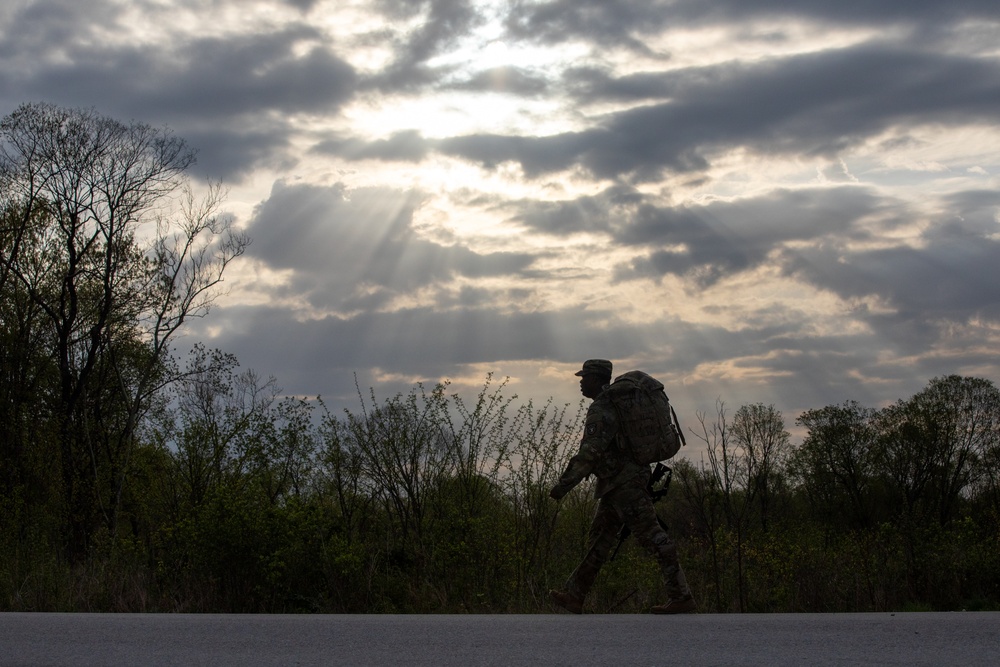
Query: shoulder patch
[593,428]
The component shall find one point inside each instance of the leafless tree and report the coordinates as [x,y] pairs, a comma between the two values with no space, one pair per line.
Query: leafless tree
[82,188]
[760,434]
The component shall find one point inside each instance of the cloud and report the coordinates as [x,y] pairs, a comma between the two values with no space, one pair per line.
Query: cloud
[225,77]
[230,97]
[946,280]
[404,146]
[322,355]
[809,189]
[304,5]
[587,214]
[228,153]
[536,155]
[816,104]
[511,80]
[786,363]
[625,22]
[442,23]
[707,242]
[39,33]
[343,245]
[607,23]
[201,78]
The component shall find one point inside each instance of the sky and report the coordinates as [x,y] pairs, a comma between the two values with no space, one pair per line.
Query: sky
[786,203]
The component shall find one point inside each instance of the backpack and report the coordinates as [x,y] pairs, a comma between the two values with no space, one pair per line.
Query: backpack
[648,421]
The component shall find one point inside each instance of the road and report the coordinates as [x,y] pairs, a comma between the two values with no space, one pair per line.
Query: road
[959,638]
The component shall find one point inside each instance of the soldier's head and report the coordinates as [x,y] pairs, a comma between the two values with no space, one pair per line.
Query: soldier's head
[593,376]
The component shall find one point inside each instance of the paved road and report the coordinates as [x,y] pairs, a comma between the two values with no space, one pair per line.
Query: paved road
[961,638]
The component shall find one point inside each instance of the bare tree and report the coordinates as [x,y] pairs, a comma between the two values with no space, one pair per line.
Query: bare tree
[699,486]
[82,187]
[404,452]
[731,468]
[759,431]
[216,424]
[746,456]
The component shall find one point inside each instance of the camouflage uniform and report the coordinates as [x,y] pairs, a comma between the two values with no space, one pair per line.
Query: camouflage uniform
[621,488]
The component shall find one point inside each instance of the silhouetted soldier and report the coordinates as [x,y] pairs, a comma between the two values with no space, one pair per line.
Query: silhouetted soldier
[624,500]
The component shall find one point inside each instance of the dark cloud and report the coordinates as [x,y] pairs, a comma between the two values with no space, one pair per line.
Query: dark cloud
[256,73]
[229,97]
[811,234]
[972,212]
[598,213]
[817,104]
[712,242]
[940,291]
[39,32]
[210,79]
[510,80]
[228,153]
[446,21]
[705,243]
[757,224]
[536,155]
[431,341]
[443,23]
[286,70]
[949,279]
[625,22]
[607,23]
[358,247]
[814,104]
[785,357]
[304,5]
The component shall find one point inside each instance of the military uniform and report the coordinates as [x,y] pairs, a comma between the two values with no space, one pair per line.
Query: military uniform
[624,500]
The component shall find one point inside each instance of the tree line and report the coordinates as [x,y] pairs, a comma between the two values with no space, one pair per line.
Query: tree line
[133,479]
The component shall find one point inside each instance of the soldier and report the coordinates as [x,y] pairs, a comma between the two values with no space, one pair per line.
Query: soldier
[624,500]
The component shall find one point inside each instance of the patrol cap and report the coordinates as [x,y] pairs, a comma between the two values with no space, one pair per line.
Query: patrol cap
[596,367]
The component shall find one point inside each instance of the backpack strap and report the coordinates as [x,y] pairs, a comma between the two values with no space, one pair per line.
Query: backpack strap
[677,425]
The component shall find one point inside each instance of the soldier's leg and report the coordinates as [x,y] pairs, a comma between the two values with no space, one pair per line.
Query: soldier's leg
[603,536]
[640,516]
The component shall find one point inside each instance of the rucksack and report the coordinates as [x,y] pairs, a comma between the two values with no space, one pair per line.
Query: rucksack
[648,421]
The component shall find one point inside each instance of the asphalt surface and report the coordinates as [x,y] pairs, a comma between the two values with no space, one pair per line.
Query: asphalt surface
[959,638]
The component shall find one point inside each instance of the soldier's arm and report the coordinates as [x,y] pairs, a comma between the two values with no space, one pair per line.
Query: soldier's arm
[598,432]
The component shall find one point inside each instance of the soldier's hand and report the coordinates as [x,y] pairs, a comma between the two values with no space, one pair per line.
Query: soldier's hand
[557,492]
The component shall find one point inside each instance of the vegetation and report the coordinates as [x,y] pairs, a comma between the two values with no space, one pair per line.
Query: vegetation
[131,480]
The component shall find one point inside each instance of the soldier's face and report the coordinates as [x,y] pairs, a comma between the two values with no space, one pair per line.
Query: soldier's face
[590,385]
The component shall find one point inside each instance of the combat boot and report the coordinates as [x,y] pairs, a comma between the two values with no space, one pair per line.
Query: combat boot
[567,601]
[683,605]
